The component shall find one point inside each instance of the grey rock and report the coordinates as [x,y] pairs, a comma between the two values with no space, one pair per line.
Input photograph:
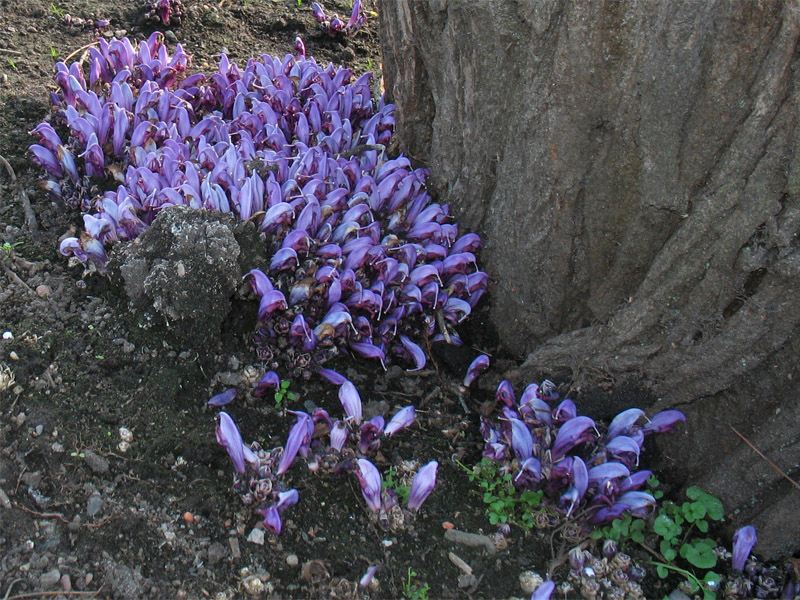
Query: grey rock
[216,552]
[50,578]
[94,505]
[180,274]
[97,463]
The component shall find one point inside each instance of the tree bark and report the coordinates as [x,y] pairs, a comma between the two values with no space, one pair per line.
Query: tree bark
[634,171]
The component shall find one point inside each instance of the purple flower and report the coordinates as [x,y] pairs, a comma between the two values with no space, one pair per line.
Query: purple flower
[544,591]
[370,431]
[622,423]
[521,439]
[415,351]
[402,419]
[571,434]
[332,376]
[224,398]
[422,485]
[228,437]
[664,422]
[367,578]
[743,541]
[272,519]
[478,366]
[351,401]
[298,441]
[530,472]
[505,394]
[269,382]
[339,435]
[318,13]
[299,47]
[371,483]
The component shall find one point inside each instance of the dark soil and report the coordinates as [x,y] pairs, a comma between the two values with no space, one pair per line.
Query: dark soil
[77,514]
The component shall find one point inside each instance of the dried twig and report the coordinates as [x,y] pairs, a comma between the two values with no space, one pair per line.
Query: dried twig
[81,49]
[30,216]
[58,516]
[8,51]
[50,594]
[761,454]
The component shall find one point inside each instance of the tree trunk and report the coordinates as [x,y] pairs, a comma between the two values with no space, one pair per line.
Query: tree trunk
[633,170]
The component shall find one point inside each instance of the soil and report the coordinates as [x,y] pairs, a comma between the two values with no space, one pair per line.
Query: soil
[79,516]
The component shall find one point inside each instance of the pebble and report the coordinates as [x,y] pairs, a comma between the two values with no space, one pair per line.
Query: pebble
[7,335]
[171,37]
[120,33]
[94,505]
[96,463]
[43,291]
[66,583]
[292,560]
[50,578]
[216,552]
[13,355]
[256,536]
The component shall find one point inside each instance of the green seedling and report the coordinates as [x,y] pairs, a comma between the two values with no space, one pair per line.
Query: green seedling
[54,53]
[8,248]
[504,503]
[412,590]
[283,394]
[12,64]
[59,12]
[390,482]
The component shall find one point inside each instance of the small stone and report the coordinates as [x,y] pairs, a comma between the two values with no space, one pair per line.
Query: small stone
[57,447]
[94,504]
[37,431]
[7,335]
[13,355]
[292,560]
[43,291]
[256,536]
[120,33]
[75,524]
[128,348]
[171,37]
[66,583]
[216,552]
[96,463]
[49,579]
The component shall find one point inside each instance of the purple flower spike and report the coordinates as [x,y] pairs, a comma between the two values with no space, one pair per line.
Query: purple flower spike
[224,398]
[521,439]
[402,419]
[664,422]
[422,485]
[572,433]
[544,591]
[371,483]
[622,423]
[228,437]
[478,366]
[298,440]
[351,401]
[743,541]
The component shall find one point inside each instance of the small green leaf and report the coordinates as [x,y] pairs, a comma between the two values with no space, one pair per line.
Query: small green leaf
[662,571]
[702,525]
[694,492]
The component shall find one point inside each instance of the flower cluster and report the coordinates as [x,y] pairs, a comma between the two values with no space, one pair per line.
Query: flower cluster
[350,440]
[256,479]
[164,12]
[361,259]
[562,454]
[334,25]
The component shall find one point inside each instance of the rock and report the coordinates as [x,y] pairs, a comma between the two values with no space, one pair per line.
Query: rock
[94,504]
[256,536]
[180,274]
[216,552]
[50,579]
[66,583]
[43,291]
[96,463]
[292,560]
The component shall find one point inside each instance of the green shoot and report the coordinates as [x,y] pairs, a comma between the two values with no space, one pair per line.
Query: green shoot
[54,53]
[390,482]
[7,248]
[414,591]
[505,504]
[12,64]
[282,394]
[59,12]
